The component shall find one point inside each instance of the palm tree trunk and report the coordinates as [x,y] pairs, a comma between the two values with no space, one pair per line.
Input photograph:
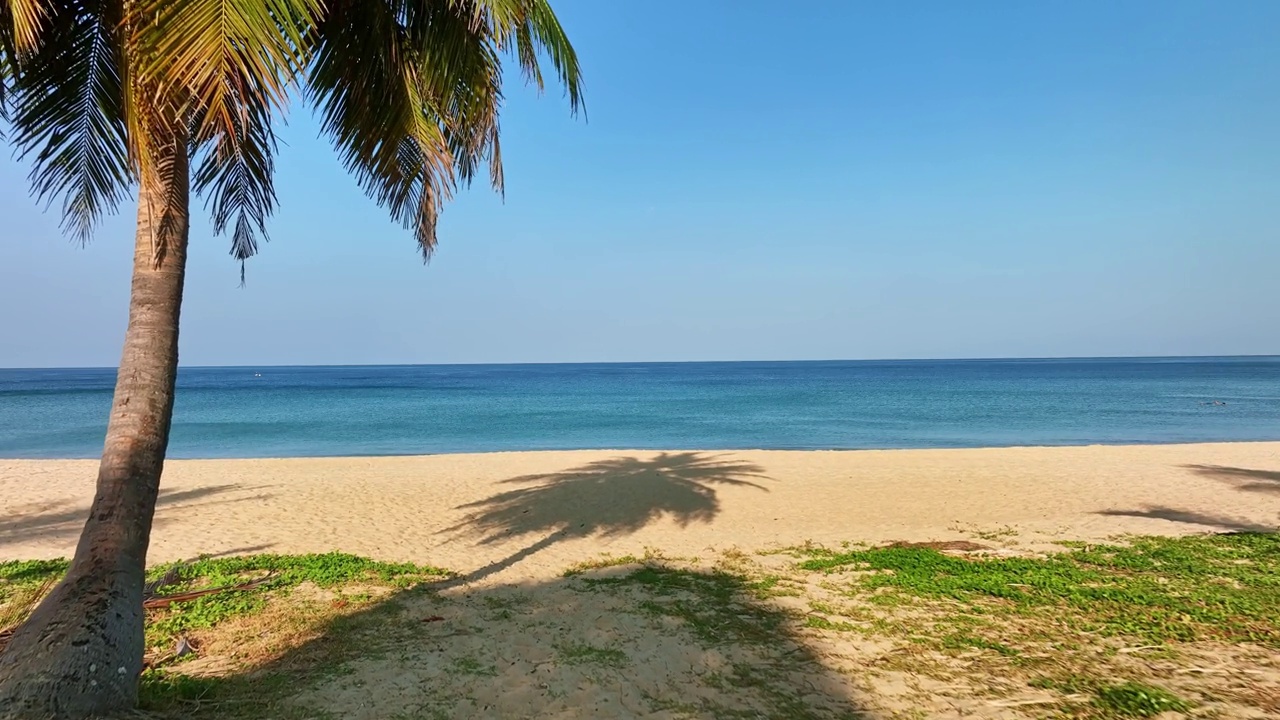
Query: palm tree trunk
[80,652]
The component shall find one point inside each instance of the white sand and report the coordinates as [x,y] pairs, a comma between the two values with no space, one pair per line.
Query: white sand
[524,516]
[515,521]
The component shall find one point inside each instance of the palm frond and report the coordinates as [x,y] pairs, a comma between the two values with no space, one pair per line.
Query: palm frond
[539,30]
[227,67]
[459,64]
[68,112]
[217,53]
[8,58]
[7,72]
[27,17]
[411,92]
[19,29]
[366,81]
[170,173]
[235,173]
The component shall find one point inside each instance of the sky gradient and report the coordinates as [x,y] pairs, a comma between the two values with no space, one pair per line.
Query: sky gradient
[857,180]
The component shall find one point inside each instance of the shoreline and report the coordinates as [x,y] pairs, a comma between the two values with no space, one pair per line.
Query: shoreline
[510,516]
[624,449]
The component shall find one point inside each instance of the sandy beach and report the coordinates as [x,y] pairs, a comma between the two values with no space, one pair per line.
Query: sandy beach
[508,517]
[513,636]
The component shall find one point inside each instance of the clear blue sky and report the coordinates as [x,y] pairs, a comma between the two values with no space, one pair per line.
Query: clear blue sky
[762,181]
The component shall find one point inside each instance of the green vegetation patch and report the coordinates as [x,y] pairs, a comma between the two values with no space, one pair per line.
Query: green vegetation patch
[1134,699]
[22,584]
[1127,700]
[280,572]
[353,580]
[348,621]
[326,570]
[721,610]
[15,574]
[712,604]
[1223,587]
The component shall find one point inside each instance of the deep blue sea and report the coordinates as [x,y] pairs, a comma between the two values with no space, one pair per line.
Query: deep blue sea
[295,411]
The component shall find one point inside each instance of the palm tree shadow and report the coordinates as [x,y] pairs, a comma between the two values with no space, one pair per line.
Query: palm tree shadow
[61,521]
[580,647]
[1219,523]
[1244,479]
[607,498]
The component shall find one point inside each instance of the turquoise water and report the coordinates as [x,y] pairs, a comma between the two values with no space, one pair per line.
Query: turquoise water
[295,411]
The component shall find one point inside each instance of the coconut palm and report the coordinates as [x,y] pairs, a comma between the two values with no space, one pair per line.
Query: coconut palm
[175,96]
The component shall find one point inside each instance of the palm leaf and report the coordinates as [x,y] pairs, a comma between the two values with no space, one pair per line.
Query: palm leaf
[365,80]
[7,72]
[226,66]
[20,22]
[221,52]
[235,172]
[410,92]
[538,29]
[68,111]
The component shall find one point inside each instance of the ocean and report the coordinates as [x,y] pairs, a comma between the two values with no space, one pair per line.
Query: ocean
[311,411]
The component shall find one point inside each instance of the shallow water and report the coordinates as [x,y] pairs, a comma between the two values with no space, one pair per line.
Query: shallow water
[298,411]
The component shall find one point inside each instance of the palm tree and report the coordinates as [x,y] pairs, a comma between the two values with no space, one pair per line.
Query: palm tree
[180,95]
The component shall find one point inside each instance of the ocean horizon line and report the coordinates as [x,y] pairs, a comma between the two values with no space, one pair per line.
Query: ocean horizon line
[1046,358]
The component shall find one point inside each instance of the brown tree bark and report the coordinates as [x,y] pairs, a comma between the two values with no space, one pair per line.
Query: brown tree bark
[80,652]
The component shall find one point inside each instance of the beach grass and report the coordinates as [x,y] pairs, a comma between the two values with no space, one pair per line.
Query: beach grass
[1099,626]
[283,604]
[1217,587]
[1135,628]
